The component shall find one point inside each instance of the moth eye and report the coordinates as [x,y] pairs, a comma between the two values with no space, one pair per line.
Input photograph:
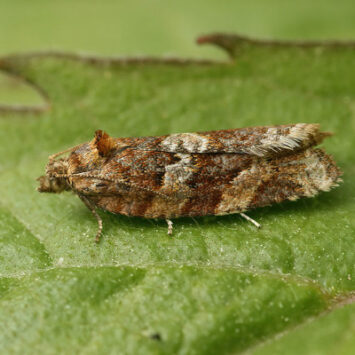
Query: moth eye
[124,187]
[53,181]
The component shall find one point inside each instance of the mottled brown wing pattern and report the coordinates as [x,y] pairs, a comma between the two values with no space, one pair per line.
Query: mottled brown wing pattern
[161,184]
[194,174]
[259,141]
[192,184]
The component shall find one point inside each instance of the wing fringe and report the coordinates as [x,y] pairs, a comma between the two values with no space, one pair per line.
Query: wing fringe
[300,137]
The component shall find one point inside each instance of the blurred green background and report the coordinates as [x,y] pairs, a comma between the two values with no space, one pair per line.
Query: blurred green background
[157,27]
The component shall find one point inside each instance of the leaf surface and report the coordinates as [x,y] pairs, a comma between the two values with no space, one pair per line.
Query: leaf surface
[217,285]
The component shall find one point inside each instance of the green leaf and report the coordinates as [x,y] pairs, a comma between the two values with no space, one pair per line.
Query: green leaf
[330,334]
[219,285]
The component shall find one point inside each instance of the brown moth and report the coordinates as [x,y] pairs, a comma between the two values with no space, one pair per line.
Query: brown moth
[194,174]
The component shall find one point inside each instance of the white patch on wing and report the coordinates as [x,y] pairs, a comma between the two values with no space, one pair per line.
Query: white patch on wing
[237,197]
[275,142]
[299,135]
[316,171]
[177,174]
[191,142]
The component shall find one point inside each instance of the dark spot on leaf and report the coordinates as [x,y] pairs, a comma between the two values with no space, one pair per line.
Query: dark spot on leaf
[155,336]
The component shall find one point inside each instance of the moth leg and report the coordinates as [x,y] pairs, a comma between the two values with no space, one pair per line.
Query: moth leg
[256,224]
[170,226]
[92,208]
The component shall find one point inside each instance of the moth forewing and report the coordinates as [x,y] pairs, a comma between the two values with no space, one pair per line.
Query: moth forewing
[194,174]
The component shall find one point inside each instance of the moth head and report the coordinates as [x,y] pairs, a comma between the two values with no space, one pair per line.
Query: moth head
[56,179]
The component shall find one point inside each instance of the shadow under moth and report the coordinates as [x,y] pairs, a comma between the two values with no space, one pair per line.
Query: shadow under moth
[194,174]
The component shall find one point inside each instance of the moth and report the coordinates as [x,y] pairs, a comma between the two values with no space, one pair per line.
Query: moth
[194,174]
